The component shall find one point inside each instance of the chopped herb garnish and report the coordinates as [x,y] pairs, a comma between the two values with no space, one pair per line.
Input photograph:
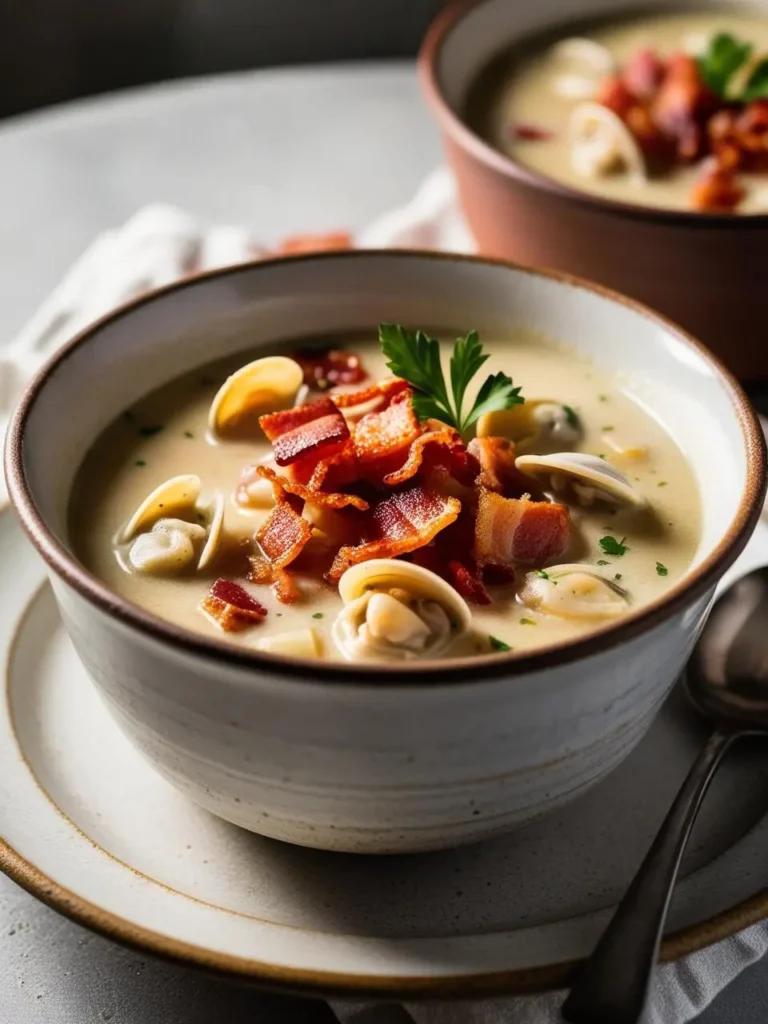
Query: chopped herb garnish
[662,483]
[188,433]
[617,576]
[662,570]
[572,416]
[600,455]
[613,547]
[602,398]
[416,358]
[498,645]
[757,83]
[139,462]
[606,429]
[151,430]
[602,561]
[528,622]
[318,615]
[544,575]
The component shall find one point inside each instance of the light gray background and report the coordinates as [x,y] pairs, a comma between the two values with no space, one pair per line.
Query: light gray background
[281,152]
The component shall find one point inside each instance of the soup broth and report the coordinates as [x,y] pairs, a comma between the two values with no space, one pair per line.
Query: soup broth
[623,551]
[674,131]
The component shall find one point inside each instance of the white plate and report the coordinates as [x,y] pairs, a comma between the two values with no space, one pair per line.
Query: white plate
[87,826]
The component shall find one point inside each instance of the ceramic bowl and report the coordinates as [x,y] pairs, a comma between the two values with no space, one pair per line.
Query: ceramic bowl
[390,759]
[700,269]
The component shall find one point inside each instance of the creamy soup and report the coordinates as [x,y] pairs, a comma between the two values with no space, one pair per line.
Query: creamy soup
[538,522]
[666,110]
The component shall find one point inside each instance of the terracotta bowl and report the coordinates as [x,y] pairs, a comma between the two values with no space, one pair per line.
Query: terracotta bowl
[702,270]
[378,758]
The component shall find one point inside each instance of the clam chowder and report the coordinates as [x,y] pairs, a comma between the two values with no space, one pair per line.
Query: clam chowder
[662,109]
[359,503]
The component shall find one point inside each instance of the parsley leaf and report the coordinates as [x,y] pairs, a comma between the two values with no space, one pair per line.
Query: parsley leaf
[528,622]
[757,83]
[416,358]
[498,645]
[662,570]
[724,56]
[613,547]
[497,393]
[466,360]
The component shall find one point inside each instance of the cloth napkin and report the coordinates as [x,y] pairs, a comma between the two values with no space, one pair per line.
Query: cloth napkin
[161,244]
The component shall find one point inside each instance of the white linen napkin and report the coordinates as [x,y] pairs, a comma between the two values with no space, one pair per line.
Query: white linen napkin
[161,244]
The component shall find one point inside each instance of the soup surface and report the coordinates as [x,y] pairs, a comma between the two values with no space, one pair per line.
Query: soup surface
[665,110]
[454,508]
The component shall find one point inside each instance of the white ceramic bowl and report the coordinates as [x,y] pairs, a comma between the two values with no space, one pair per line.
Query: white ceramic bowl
[344,757]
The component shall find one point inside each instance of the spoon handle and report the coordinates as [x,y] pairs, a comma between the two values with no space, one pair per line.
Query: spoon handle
[612,986]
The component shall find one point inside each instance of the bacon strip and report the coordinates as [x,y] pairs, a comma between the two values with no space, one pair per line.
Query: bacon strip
[498,471]
[284,534]
[317,429]
[383,389]
[400,523]
[511,530]
[308,493]
[386,436]
[467,582]
[412,464]
[282,582]
[231,607]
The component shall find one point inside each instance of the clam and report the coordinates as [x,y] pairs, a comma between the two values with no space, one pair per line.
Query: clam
[298,643]
[587,478]
[575,87]
[263,386]
[167,549]
[175,497]
[395,610]
[602,144]
[574,591]
[214,532]
[171,529]
[593,56]
[536,421]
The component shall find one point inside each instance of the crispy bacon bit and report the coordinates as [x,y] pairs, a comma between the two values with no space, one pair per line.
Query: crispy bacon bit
[529,133]
[615,95]
[511,530]
[317,429]
[314,243]
[468,583]
[682,105]
[718,189]
[308,493]
[283,584]
[498,472]
[284,533]
[447,438]
[231,607]
[400,523]
[323,369]
[383,439]
[383,389]
[643,74]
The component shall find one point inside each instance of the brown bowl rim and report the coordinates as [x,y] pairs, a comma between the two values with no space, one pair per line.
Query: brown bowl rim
[444,24]
[468,670]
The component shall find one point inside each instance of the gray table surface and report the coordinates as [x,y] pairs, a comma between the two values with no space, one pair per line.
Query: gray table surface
[281,151]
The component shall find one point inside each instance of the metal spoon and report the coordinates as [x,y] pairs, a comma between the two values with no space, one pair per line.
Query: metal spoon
[728,682]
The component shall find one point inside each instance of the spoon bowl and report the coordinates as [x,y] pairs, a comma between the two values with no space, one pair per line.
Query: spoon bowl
[727,678]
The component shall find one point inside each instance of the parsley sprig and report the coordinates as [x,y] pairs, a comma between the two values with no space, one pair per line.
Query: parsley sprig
[724,56]
[415,357]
